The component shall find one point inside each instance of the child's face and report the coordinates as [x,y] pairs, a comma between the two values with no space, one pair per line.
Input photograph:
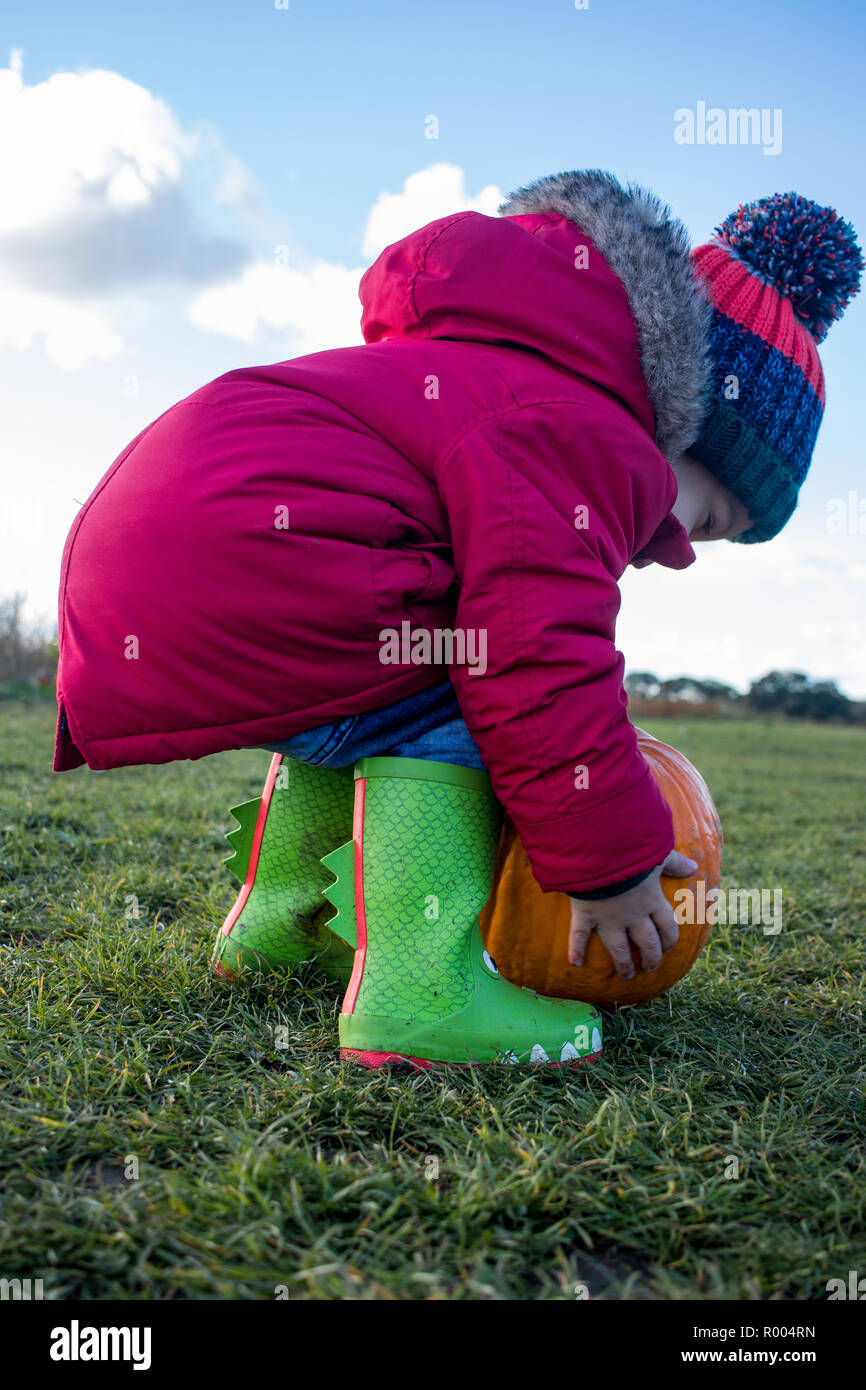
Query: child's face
[705,507]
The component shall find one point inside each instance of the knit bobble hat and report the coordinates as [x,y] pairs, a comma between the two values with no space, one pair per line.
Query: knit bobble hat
[778,272]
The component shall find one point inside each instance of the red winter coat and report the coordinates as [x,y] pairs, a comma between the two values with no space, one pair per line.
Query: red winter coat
[432,475]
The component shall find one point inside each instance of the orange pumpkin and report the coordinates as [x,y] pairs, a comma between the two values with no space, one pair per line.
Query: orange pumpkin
[526,931]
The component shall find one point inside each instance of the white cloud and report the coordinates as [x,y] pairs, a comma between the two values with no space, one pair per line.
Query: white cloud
[428,194]
[73,335]
[76,131]
[318,307]
[95,202]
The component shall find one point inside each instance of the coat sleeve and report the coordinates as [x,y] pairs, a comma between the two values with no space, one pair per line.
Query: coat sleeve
[538,598]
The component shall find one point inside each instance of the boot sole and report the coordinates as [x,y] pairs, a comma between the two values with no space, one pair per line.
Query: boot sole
[375,1061]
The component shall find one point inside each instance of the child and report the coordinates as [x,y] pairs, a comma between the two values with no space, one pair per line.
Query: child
[280,559]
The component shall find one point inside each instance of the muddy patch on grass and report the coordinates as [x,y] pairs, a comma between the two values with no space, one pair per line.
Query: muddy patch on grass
[94,1174]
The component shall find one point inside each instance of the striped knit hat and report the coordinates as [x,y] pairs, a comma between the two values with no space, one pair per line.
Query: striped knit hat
[777,272]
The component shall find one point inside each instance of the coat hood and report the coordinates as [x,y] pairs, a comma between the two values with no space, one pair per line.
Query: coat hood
[632,320]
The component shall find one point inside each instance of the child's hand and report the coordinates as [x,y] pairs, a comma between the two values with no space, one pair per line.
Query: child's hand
[643,914]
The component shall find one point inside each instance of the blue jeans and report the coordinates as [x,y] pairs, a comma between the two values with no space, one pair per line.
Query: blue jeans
[427,725]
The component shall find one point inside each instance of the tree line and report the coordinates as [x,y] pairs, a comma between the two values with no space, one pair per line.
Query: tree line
[28,652]
[789,694]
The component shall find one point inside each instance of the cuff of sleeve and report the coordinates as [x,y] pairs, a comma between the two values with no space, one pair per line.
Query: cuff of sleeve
[631,834]
[612,890]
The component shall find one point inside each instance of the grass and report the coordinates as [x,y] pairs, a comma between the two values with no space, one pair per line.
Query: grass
[158,1143]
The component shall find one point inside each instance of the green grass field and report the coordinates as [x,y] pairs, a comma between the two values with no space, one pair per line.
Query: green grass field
[157,1143]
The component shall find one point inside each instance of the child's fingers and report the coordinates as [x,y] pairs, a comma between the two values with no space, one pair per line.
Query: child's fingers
[646,938]
[577,938]
[617,946]
[666,923]
[678,865]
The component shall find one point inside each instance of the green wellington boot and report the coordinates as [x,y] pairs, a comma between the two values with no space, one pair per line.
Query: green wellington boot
[409,890]
[280,915]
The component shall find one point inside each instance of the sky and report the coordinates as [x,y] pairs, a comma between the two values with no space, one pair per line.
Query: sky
[186,189]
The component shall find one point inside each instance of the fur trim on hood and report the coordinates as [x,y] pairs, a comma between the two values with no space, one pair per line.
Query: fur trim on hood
[648,249]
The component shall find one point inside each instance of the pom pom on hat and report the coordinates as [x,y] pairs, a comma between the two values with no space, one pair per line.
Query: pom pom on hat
[807,252]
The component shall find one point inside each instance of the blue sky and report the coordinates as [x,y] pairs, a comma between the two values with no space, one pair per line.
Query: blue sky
[232,129]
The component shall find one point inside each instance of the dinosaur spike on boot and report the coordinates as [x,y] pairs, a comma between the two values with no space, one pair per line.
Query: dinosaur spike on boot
[241,838]
[341,893]
[280,915]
